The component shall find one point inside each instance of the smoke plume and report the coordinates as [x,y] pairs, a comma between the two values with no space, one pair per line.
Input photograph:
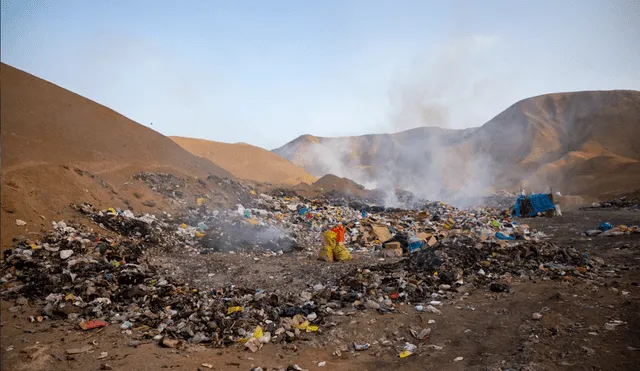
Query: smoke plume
[425,156]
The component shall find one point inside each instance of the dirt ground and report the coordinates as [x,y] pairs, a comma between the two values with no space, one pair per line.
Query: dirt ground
[491,331]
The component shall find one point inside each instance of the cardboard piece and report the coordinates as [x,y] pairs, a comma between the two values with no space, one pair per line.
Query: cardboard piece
[393,245]
[381,232]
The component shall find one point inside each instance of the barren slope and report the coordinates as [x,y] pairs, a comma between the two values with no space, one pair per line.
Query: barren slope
[582,143]
[247,162]
[60,148]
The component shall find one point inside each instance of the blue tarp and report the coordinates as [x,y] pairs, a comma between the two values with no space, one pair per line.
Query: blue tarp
[540,203]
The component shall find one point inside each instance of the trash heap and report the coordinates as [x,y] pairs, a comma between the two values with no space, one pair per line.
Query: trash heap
[607,229]
[101,278]
[94,280]
[167,185]
[284,221]
[618,203]
[454,268]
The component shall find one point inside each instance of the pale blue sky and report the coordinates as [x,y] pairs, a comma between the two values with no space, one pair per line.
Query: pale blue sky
[264,72]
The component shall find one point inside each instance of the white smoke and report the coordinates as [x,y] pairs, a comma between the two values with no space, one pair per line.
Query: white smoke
[431,160]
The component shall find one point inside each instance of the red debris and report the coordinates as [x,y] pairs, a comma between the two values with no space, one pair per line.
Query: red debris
[94,323]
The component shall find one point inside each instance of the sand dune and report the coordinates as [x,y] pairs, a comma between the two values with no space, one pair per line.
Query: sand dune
[248,162]
[60,148]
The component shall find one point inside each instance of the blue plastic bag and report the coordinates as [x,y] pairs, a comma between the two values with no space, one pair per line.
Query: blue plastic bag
[605,226]
[502,236]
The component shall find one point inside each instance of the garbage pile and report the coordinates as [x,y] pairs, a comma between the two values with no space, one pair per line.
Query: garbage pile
[167,185]
[281,220]
[501,199]
[100,278]
[454,268]
[607,229]
[94,280]
[618,203]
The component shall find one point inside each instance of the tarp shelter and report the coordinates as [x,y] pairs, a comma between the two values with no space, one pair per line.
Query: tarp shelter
[531,205]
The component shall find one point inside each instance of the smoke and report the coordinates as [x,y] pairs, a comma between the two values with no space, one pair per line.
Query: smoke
[425,156]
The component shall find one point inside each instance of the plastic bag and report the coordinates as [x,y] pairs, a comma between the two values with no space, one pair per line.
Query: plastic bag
[339,231]
[341,253]
[328,248]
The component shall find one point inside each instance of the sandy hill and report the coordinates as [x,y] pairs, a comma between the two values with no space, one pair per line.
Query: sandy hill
[582,143]
[60,148]
[248,162]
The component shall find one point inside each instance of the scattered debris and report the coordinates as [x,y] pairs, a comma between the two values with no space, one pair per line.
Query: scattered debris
[536,316]
[84,349]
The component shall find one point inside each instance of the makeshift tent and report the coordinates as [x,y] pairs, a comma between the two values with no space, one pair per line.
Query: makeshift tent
[532,205]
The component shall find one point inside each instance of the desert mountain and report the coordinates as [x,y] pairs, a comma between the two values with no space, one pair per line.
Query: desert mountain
[60,148]
[248,162]
[581,143]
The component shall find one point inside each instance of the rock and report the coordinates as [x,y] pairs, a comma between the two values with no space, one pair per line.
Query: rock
[498,287]
[435,347]
[370,304]
[65,254]
[536,316]
[590,352]
[312,316]
[458,359]
[20,222]
[318,287]
[169,343]
[322,364]
[106,366]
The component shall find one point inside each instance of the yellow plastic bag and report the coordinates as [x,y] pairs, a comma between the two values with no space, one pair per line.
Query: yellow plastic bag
[232,310]
[328,248]
[258,333]
[307,327]
[341,253]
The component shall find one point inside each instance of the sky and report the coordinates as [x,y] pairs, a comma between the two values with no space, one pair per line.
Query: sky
[265,72]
